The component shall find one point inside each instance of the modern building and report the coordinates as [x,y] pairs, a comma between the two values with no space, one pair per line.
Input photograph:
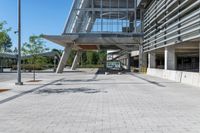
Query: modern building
[161,35]
[172,38]
[6,59]
[99,24]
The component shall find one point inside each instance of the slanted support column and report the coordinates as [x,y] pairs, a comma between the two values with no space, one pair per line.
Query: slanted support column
[170,58]
[151,60]
[76,60]
[64,59]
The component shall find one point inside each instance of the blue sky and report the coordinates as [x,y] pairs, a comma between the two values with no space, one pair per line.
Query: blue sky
[38,17]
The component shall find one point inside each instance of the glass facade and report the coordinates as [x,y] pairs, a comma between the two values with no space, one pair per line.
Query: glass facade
[104,16]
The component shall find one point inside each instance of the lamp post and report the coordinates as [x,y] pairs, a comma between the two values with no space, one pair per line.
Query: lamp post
[19,82]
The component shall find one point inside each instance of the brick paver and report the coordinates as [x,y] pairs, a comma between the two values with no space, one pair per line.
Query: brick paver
[88,103]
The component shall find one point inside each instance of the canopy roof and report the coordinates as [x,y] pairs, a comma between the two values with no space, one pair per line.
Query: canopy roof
[8,55]
[96,40]
[100,24]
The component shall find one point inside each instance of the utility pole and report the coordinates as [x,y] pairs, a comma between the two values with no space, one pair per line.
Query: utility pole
[19,82]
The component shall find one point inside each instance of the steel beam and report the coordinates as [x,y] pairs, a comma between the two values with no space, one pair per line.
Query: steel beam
[106,9]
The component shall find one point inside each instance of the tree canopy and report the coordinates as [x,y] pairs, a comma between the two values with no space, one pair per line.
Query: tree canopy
[34,47]
[5,40]
[89,58]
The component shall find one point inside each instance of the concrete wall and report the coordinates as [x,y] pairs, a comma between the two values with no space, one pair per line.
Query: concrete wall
[189,78]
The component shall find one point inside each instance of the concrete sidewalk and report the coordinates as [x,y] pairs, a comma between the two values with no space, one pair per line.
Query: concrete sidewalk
[83,102]
[8,80]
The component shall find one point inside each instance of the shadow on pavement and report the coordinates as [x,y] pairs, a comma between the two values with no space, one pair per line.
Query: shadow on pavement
[149,81]
[27,92]
[70,90]
[116,83]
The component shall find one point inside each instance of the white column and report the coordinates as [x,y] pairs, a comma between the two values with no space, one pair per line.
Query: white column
[128,61]
[142,58]
[64,59]
[170,58]
[76,60]
[151,60]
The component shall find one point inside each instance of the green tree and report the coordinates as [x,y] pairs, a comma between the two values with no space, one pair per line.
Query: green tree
[58,51]
[34,48]
[5,40]
[55,60]
[92,57]
[102,57]
[71,57]
[83,58]
[95,58]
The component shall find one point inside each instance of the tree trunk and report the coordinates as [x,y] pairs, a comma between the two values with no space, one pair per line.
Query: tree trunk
[33,68]
[34,72]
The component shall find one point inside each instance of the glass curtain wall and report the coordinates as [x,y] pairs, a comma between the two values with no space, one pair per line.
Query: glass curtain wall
[106,16]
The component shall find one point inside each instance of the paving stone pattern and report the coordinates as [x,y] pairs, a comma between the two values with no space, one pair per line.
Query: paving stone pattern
[89,103]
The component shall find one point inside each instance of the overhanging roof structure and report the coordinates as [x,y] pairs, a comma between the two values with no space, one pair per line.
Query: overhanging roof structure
[100,24]
[8,55]
[96,40]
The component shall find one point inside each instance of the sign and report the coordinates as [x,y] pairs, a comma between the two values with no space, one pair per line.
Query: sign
[113,65]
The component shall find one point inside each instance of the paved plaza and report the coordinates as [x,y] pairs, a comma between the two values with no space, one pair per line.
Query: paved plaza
[84,102]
